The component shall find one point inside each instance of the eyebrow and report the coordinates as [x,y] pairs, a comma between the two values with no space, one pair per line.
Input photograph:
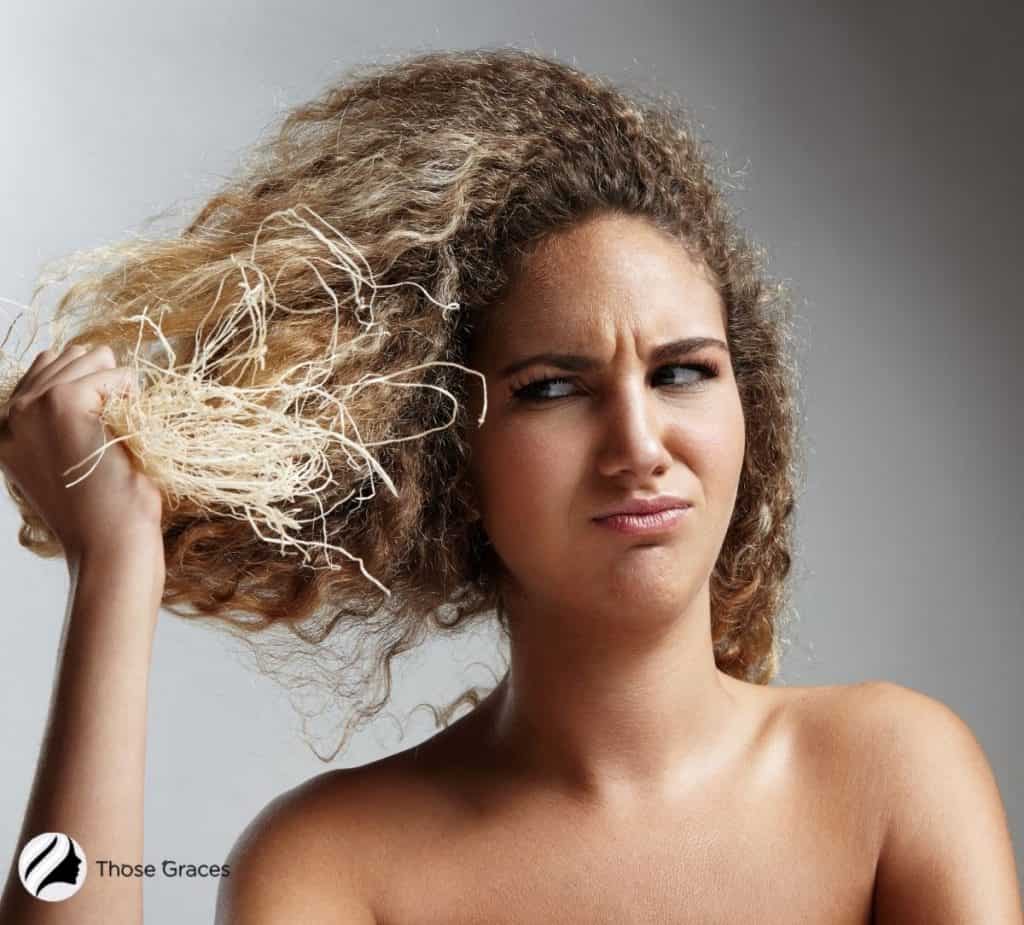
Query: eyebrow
[580,363]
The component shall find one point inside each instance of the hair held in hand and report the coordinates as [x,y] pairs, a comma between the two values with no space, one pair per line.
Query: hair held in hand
[302,348]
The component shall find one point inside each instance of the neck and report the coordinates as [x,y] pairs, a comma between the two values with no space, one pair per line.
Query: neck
[630,707]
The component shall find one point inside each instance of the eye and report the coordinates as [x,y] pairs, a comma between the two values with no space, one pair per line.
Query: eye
[532,390]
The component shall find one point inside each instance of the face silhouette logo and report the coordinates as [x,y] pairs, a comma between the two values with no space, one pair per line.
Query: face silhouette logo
[52,866]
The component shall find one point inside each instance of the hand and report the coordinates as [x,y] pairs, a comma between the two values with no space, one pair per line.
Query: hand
[50,423]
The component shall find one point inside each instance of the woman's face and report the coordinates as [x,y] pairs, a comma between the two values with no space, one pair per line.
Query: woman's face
[549,459]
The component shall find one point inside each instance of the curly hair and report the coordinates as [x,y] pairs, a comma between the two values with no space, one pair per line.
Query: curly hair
[450,168]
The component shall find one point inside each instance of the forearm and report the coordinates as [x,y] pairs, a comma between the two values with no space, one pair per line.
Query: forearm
[89,780]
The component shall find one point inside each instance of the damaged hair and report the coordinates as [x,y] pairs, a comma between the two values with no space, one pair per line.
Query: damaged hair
[441,173]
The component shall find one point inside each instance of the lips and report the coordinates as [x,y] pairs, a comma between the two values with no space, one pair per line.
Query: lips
[652,505]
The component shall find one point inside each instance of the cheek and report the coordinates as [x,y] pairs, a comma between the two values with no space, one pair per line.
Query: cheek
[527,477]
[718,443]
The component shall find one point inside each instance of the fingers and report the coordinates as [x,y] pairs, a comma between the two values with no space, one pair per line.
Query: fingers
[72,364]
[47,363]
[51,368]
[34,380]
[43,358]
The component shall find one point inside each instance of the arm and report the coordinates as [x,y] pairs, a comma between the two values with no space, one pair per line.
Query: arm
[90,774]
[946,856]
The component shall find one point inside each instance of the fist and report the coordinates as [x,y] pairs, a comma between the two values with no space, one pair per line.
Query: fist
[48,425]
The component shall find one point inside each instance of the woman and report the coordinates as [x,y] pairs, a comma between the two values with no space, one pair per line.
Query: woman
[633,764]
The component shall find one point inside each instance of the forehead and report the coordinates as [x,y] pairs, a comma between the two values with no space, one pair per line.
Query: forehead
[608,277]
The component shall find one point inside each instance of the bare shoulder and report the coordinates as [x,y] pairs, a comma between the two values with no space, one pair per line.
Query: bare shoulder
[828,739]
[871,718]
[857,719]
[323,851]
[909,737]
[837,724]
[945,852]
[305,856]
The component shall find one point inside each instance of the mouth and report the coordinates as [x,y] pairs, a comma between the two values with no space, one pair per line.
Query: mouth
[639,524]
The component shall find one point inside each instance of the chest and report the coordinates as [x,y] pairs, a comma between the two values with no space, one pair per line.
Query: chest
[780,863]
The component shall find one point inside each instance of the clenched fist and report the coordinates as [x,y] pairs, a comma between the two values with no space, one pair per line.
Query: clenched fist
[50,423]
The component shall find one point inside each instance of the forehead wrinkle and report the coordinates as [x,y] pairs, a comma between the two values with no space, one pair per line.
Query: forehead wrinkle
[596,314]
[602,334]
[547,313]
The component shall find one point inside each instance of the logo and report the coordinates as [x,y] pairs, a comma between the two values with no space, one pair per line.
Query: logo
[52,866]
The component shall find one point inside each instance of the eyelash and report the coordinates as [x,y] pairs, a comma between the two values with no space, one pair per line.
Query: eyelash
[525,391]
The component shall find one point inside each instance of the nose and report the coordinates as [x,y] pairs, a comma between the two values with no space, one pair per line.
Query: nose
[633,436]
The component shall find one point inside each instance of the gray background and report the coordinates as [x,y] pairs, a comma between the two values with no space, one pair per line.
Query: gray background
[882,147]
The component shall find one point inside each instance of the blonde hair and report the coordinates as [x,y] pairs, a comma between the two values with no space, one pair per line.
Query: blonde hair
[448,168]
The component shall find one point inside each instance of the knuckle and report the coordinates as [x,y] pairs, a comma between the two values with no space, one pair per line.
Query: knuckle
[18,406]
[11,415]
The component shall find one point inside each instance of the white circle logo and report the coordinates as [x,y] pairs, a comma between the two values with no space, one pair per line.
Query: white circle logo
[52,866]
